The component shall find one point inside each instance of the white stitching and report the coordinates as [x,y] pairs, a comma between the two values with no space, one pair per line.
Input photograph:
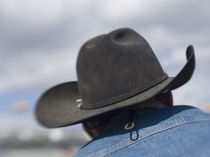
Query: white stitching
[146,133]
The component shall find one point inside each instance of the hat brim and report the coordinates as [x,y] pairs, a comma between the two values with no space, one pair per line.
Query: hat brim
[57,107]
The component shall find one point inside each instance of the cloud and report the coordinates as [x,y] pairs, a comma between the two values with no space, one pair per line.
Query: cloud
[39,40]
[35,69]
[176,15]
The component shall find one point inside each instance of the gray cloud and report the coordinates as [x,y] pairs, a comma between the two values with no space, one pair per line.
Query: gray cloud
[39,40]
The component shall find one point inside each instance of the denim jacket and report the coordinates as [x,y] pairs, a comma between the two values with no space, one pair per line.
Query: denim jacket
[178,131]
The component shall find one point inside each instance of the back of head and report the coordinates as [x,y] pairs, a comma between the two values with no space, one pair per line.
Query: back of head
[115,71]
[99,125]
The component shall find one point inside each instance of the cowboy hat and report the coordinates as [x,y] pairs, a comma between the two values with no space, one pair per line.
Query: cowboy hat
[115,71]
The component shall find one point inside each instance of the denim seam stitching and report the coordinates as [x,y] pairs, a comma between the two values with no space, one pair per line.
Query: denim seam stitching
[146,133]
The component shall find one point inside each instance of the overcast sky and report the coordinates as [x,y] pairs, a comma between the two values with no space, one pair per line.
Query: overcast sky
[40,40]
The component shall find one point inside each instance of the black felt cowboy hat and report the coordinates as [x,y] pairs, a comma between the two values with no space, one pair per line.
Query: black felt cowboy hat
[115,71]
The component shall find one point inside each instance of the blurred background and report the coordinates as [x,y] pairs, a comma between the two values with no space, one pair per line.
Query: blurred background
[39,43]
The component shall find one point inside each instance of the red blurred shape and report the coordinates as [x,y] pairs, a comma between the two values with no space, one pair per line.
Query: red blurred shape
[21,106]
[207,108]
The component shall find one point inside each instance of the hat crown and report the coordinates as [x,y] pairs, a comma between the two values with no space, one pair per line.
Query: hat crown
[116,66]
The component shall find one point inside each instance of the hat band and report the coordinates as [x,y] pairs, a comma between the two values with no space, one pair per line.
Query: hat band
[105,102]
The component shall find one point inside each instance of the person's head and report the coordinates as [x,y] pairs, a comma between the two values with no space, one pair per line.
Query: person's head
[98,125]
[115,71]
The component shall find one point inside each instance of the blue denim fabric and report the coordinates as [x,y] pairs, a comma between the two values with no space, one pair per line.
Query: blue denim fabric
[178,131]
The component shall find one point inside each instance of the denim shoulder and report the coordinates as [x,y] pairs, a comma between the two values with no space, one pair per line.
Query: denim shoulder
[174,131]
